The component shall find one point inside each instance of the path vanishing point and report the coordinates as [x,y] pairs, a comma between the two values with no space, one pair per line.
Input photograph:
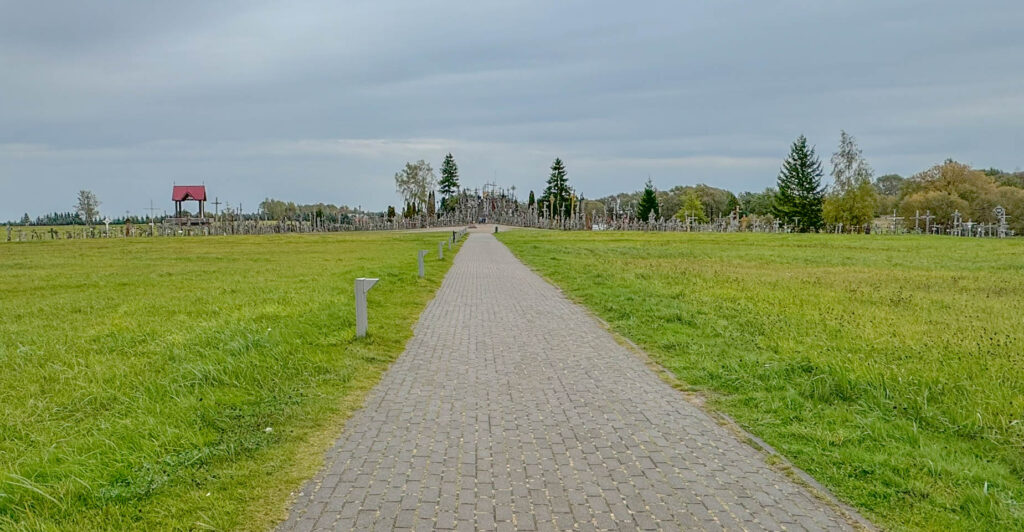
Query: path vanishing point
[513,409]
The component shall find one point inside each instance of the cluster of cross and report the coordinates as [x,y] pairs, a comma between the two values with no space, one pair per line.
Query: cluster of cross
[957,225]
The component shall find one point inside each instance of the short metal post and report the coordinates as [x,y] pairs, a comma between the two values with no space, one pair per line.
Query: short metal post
[440,251]
[449,245]
[422,254]
[363,285]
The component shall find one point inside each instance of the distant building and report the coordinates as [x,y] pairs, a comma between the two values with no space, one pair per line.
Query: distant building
[182,193]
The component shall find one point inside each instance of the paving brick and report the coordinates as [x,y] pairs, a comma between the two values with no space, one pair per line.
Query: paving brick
[512,407]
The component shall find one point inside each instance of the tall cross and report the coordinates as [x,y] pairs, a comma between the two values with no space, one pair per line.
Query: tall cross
[151,209]
[928,221]
[970,226]
[895,220]
[216,206]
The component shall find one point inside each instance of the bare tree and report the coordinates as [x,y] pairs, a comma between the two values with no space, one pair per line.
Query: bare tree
[88,206]
[415,183]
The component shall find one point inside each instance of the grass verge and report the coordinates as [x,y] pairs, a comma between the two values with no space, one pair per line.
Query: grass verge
[889,368]
[188,383]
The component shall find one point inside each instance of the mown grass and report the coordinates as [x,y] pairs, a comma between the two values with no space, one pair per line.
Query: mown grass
[188,383]
[889,368]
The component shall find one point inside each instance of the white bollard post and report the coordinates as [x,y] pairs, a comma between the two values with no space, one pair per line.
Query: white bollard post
[440,251]
[363,285]
[422,254]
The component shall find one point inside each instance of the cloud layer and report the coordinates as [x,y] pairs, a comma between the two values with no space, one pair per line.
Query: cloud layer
[324,101]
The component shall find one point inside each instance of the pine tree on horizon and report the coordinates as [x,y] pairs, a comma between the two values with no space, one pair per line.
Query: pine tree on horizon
[800,194]
[557,192]
[532,200]
[647,209]
[449,184]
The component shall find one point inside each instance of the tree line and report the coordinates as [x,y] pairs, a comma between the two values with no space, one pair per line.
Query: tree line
[854,200]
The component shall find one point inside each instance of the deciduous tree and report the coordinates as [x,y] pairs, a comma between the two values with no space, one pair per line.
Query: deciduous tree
[415,182]
[692,208]
[851,201]
[757,203]
[88,206]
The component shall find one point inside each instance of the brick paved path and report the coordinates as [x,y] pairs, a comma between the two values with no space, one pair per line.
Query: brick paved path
[511,408]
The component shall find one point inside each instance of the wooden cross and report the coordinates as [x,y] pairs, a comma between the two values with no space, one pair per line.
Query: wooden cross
[151,209]
[895,220]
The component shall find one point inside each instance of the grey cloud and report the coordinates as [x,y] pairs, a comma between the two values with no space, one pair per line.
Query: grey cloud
[125,97]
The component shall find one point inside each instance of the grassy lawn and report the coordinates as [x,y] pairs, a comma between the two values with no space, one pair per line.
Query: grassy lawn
[188,383]
[889,368]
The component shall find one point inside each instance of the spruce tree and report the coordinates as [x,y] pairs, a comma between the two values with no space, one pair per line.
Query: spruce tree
[647,210]
[532,200]
[557,192]
[449,184]
[800,195]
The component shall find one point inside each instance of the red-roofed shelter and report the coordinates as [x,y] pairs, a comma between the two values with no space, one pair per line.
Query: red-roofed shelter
[189,193]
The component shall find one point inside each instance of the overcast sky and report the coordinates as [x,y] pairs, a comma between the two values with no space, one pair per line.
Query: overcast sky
[309,102]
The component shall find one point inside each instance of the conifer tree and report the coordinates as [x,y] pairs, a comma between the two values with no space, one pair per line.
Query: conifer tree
[647,210]
[557,193]
[799,198]
[449,184]
[532,200]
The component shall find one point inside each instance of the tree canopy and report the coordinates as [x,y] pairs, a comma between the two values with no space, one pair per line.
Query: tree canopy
[800,196]
[557,196]
[692,208]
[647,209]
[448,186]
[951,186]
[851,200]
[415,182]
[88,206]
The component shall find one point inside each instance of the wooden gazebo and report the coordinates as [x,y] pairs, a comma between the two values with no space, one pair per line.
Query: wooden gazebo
[182,193]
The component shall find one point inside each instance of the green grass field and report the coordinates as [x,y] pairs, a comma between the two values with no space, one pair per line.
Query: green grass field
[188,383]
[889,368]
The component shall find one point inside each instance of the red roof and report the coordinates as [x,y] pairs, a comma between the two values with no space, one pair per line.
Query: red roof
[188,192]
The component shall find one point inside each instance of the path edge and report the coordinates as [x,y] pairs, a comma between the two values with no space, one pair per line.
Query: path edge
[773,458]
[286,514]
